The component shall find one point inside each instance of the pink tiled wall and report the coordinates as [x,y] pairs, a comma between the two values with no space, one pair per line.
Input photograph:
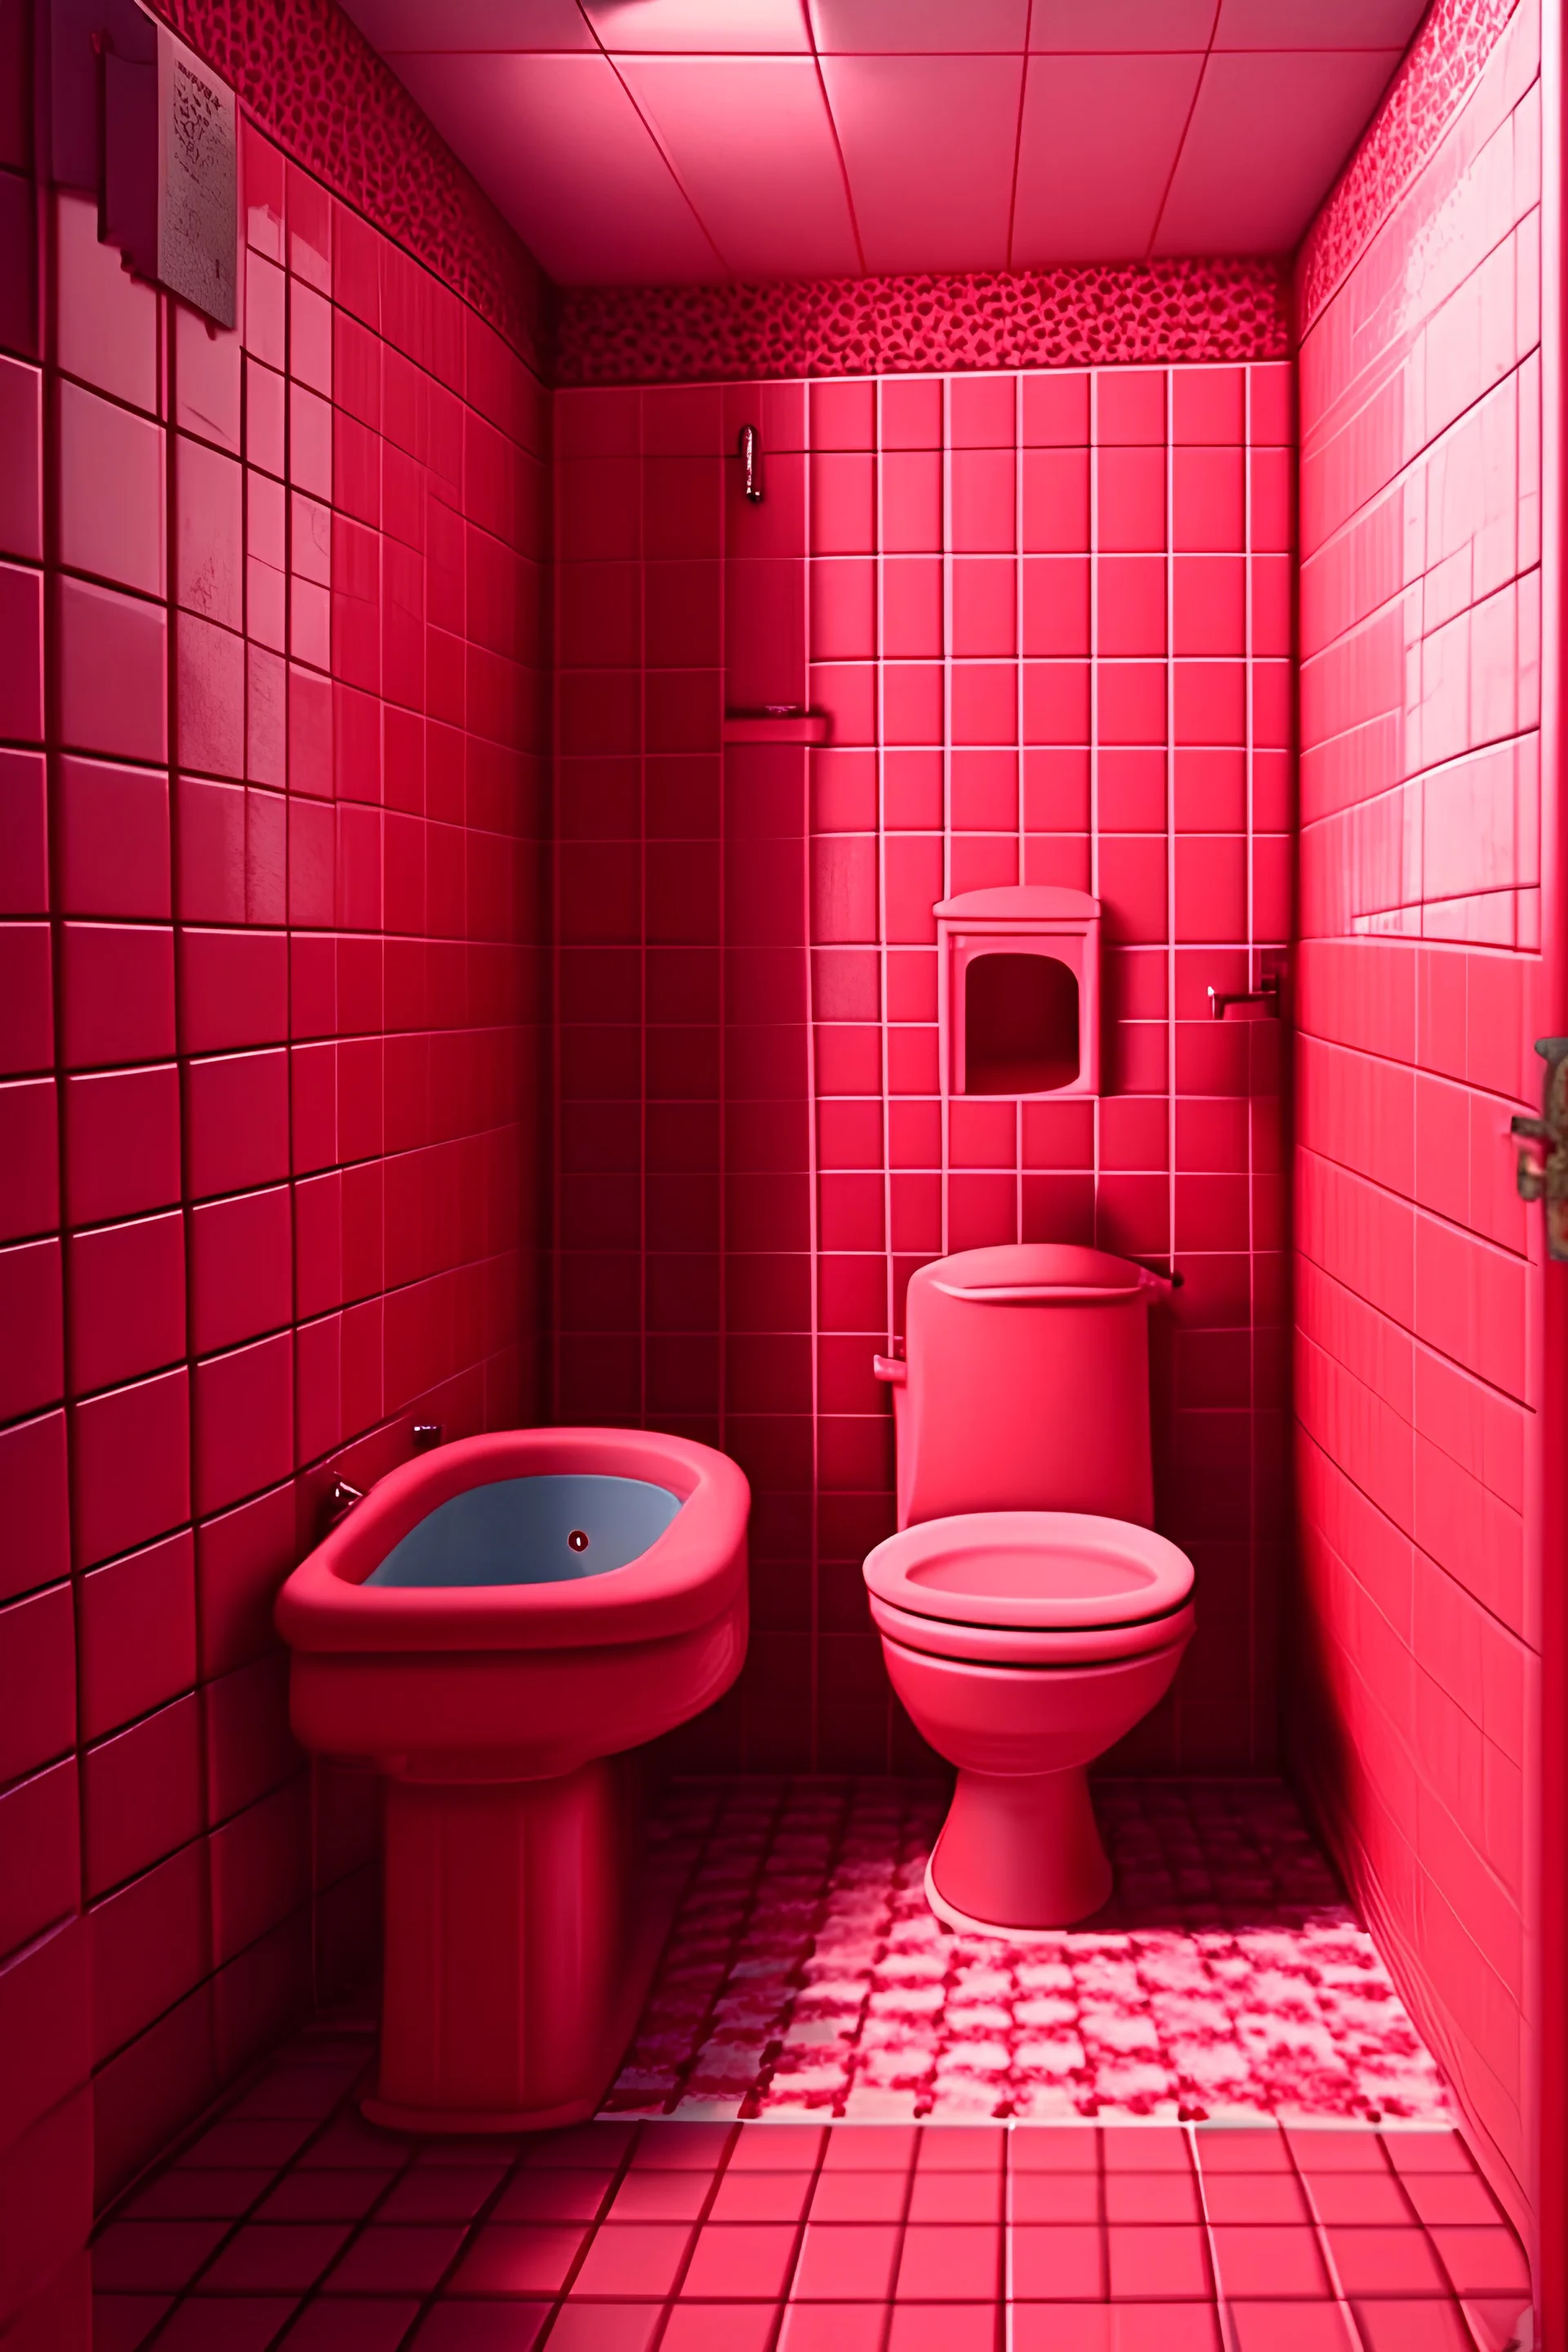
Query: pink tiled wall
[1419,997]
[267,816]
[1050,616]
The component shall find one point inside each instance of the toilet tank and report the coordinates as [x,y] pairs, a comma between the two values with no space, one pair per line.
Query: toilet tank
[1024,1384]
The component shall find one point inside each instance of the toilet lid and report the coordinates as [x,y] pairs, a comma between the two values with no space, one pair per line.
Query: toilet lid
[1030,1568]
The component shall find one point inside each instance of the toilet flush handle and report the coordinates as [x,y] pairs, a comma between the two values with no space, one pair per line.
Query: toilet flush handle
[891,1368]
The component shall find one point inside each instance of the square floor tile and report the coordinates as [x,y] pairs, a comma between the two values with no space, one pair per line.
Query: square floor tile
[761,2196]
[1054,2147]
[845,2262]
[834,2327]
[1059,2263]
[1483,2262]
[1291,2327]
[508,2258]
[572,2196]
[366,2325]
[132,2256]
[794,2147]
[186,2194]
[950,2262]
[308,2196]
[957,2196]
[661,2196]
[944,2327]
[392,2258]
[1425,2326]
[734,2260]
[279,2257]
[698,2148]
[227,2322]
[1242,2147]
[482,2327]
[1359,2198]
[1386,2261]
[859,2197]
[1156,2264]
[1450,2200]
[447,2192]
[606,2326]
[870,2148]
[1055,2196]
[633,2258]
[956,2147]
[719,2328]
[1169,2196]
[1113,2327]
[1257,2198]
[1268,2261]
[123,2323]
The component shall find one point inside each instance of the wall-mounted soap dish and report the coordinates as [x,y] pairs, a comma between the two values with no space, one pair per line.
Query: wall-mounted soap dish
[775,724]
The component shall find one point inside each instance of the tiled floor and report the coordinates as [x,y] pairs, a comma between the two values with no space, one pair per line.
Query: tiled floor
[1230,1978]
[291,2222]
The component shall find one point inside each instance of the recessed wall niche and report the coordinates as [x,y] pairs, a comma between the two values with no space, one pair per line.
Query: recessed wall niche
[1020,992]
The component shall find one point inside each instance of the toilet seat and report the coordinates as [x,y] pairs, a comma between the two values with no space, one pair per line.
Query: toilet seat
[1031,1587]
[1017,1645]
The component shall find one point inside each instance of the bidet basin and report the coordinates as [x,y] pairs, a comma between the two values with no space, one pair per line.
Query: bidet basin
[500,1625]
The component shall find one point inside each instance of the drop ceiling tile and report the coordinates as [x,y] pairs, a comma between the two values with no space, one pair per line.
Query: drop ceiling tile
[720,27]
[558,145]
[1101,138]
[752,144]
[1144,25]
[1269,134]
[1318,23]
[458,25]
[919,27]
[929,145]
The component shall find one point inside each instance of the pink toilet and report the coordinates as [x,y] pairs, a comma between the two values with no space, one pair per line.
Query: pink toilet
[1029,1614]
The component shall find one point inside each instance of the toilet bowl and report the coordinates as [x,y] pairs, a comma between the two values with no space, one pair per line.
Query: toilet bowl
[498,1626]
[1029,1614]
[1023,1645]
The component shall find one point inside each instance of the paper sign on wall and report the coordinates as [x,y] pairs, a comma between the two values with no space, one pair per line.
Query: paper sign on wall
[171,184]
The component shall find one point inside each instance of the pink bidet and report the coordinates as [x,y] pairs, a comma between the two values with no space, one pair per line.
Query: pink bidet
[499,1625]
[1023,1645]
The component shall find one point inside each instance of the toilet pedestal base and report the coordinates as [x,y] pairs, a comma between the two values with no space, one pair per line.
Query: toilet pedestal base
[521,1938]
[1018,1852]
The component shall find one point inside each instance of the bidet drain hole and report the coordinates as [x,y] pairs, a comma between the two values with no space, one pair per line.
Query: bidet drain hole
[577,1540]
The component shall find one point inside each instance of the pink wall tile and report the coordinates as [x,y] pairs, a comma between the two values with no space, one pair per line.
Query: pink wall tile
[1413,1267]
[163,1457]
[995,714]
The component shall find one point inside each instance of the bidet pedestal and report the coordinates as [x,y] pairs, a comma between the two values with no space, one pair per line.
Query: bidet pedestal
[520,1942]
[1018,1852]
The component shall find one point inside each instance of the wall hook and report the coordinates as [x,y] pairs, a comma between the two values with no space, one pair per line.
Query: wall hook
[337,1501]
[1265,992]
[750,450]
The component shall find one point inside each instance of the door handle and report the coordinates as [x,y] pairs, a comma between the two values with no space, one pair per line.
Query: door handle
[1546,1179]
